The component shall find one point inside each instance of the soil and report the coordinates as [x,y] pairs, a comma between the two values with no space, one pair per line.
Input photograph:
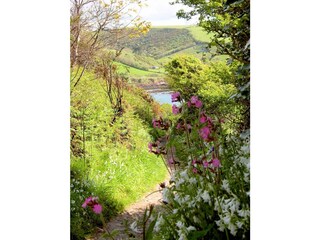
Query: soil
[132,213]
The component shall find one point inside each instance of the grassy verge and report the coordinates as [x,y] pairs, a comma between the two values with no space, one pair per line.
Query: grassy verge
[116,166]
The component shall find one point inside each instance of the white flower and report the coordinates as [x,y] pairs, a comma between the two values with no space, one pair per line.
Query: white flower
[165,195]
[239,224]
[226,220]
[177,198]
[179,182]
[220,225]
[244,213]
[184,174]
[179,224]
[186,198]
[182,236]
[196,220]
[191,228]
[158,224]
[192,180]
[233,229]
[205,196]
[191,204]
[225,185]
[175,211]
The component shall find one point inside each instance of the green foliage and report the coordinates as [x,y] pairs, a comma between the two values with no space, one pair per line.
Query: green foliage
[229,24]
[204,200]
[200,34]
[214,83]
[183,74]
[139,61]
[109,159]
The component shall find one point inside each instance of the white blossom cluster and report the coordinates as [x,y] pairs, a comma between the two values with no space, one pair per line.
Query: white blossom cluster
[195,200]
[231,216]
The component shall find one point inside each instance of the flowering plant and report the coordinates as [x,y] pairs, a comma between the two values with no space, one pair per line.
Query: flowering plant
[209,196]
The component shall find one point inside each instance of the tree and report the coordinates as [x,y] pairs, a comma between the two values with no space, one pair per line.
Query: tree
[229,23]
[96,25]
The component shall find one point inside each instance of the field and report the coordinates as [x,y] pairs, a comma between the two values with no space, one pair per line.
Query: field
[143,58]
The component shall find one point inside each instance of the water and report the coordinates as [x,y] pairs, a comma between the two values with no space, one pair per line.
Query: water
[162,97]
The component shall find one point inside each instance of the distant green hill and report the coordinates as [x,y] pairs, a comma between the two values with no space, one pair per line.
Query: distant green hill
[151,51]
[160,42]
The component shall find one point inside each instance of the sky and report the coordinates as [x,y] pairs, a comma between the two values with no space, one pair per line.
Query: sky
[161,13]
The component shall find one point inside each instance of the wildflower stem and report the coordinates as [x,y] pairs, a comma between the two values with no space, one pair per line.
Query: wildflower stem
[164,162]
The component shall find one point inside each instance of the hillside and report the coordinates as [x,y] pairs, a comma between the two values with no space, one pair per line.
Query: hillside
[143,58]
[160,42]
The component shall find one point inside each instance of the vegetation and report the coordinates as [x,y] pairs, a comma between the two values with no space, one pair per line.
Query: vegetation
[109,160]
[208,196]
[119,135]
[145,56]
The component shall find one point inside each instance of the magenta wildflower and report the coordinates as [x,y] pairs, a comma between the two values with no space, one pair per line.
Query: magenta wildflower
[205,132]
[175,97]
[171,161]
[216,162]
[203,118]
[175,109]
[150,146]
[198,104]
[194,99]
[86,202]
[93,203]
[194,170]
[205,164]
[97,208]
[178,126]
[155,123]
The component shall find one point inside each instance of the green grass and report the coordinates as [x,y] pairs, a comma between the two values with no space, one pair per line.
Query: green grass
[199,34]
[117,167]
[134,72]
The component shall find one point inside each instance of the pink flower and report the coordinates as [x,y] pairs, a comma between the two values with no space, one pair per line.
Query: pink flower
[93,203]
[198,104]
[203,118]
[216,162]
[194,161]
[194,99]
[154,123]
[194,170]
[178,126]
[175,109]
[205,164]
[97,208]
[170,160]
[86,202]
[189,127]
[175,97]
[205,132]
[150,146]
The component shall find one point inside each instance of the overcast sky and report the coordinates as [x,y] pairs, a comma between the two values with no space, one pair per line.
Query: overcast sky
[161,13]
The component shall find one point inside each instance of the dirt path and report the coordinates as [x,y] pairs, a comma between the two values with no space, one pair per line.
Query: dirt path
[132,213]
